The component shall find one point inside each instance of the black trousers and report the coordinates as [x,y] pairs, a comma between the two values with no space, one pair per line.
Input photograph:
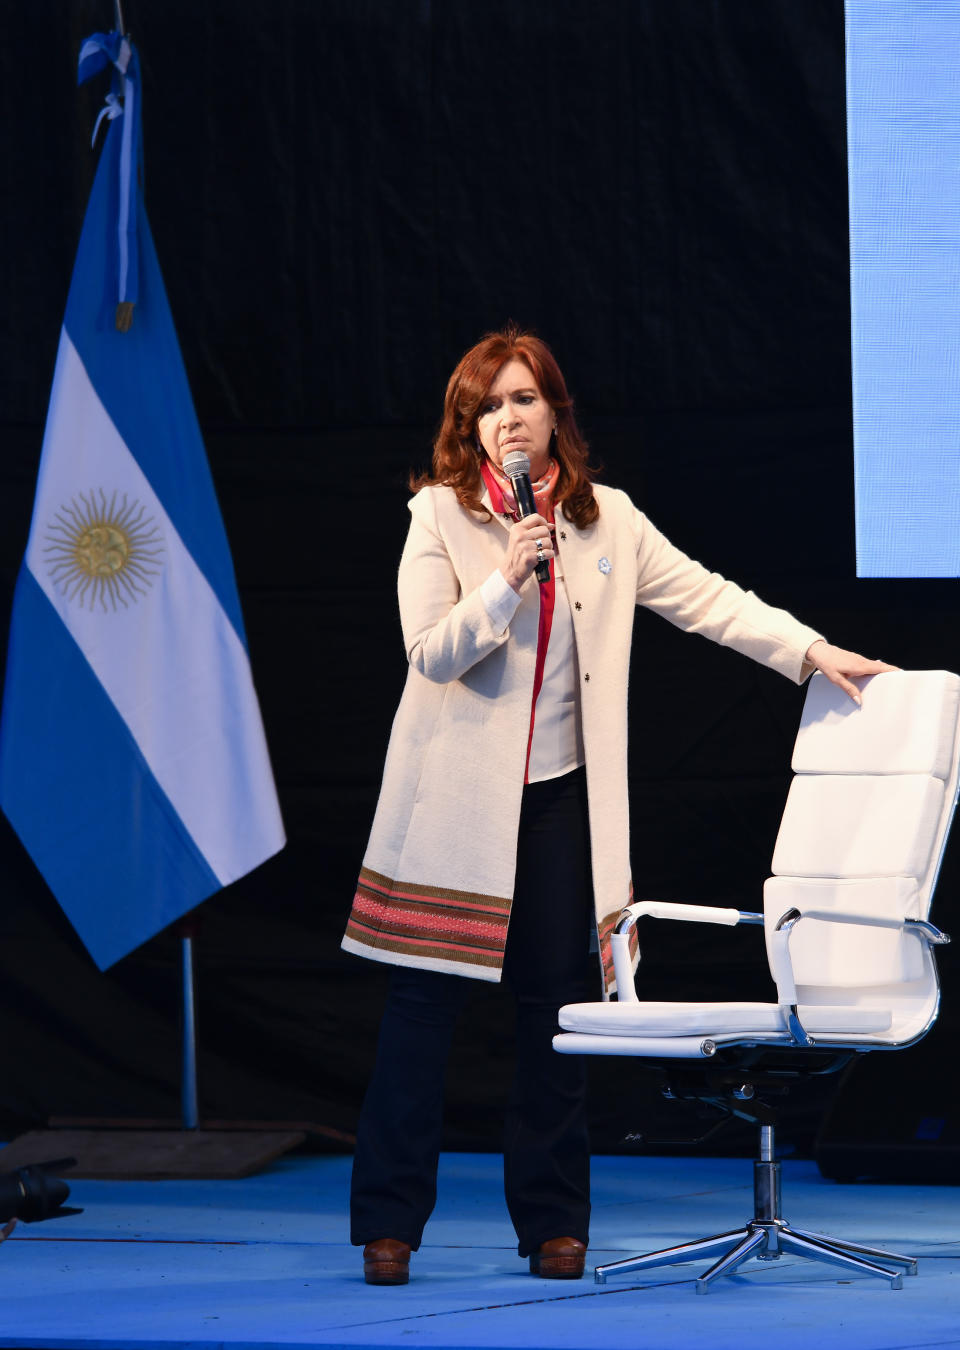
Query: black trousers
[546,1147]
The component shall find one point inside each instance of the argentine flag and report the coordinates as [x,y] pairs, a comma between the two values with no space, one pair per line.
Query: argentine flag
[133,762]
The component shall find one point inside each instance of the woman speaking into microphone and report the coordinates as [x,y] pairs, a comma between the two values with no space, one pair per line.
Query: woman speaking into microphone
[501,835]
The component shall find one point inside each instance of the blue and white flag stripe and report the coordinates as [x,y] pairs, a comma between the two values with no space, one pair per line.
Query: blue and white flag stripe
[164,650]
[81,797]
[140,378]
[133,760]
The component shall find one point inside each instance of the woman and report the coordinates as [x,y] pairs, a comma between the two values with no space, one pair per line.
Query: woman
[501,832]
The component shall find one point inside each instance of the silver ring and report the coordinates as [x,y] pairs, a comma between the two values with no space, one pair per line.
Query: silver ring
[540,547]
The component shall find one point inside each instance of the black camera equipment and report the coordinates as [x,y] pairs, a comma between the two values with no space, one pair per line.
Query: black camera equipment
[34,1193]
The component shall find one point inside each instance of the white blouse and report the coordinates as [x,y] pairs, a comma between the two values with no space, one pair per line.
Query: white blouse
[557,745]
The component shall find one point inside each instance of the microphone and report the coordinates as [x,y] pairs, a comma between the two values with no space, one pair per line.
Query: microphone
[516,465]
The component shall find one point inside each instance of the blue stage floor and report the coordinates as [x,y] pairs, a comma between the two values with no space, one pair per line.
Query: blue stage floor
[265,1262]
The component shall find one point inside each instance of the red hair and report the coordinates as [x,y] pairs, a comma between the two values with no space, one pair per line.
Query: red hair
[456,457]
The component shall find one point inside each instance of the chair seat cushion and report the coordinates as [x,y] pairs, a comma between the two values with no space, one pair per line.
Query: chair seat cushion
[713,1019]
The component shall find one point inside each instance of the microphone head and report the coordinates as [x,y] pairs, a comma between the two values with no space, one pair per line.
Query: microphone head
[516,464]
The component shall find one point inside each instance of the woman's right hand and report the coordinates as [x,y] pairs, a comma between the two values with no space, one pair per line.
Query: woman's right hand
[522,552]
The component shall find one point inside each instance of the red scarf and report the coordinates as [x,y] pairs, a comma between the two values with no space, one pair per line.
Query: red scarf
[502,497]
[504,502]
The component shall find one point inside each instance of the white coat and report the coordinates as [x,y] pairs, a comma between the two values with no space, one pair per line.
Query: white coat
[437,879]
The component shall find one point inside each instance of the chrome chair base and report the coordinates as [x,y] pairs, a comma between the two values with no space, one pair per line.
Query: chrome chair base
[767,1236]
[768,1240]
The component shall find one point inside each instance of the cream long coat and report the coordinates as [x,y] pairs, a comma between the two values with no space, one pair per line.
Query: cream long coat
[437,878]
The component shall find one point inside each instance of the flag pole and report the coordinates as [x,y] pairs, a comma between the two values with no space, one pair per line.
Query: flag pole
[118,13]
[189,1098]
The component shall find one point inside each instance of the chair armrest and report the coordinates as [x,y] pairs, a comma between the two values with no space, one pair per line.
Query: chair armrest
[922,928]
[928,931]
[663,909]
[781,967]
[669,909]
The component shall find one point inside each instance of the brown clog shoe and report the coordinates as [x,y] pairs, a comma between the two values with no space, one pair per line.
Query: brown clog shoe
[559,1259]
[386,1261]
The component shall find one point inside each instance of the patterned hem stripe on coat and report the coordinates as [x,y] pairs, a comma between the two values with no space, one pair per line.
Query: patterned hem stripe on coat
[404,917]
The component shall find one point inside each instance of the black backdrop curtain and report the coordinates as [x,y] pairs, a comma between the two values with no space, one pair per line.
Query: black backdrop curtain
[345,194]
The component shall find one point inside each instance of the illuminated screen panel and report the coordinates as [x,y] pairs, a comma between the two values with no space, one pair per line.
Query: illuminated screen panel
[903,131]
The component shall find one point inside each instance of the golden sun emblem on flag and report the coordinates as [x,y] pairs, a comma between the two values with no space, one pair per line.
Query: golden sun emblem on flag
[103,552]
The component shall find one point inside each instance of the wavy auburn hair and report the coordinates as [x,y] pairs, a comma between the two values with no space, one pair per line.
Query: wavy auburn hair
[456,458]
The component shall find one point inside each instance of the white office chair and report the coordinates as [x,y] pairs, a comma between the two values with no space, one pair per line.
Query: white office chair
[848,940]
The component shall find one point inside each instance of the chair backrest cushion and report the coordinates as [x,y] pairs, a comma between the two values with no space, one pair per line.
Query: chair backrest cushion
[848,955]
[858,826]
[863,831]
[907,724]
